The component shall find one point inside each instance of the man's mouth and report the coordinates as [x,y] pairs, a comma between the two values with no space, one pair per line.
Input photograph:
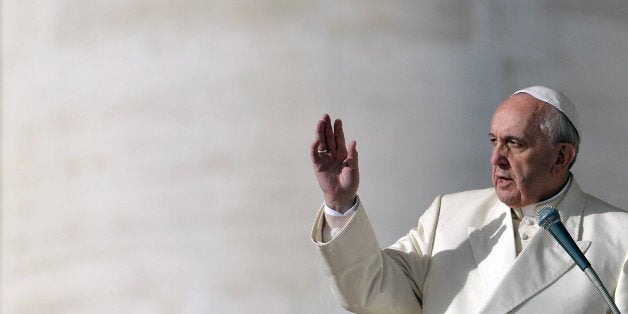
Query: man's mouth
[503,179]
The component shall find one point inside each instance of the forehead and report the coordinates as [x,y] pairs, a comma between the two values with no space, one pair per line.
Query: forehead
[520,115]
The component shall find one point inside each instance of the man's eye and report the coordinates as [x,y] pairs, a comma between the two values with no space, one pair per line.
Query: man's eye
[515,144]
[493,140]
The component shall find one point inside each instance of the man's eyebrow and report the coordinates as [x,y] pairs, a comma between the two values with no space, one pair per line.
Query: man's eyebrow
[509,138]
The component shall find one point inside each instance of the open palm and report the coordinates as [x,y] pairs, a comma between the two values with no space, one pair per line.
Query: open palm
[335,166]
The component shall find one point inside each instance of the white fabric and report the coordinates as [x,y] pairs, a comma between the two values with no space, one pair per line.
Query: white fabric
[335,221]
[331,212]
[461,259]
[557,100]
[525,224]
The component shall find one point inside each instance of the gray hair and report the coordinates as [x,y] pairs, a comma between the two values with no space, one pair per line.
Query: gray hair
[557,127]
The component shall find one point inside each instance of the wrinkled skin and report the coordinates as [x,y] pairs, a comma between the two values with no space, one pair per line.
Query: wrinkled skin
[526,169]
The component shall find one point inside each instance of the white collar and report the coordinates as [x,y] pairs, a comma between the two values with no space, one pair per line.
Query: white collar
[530,210]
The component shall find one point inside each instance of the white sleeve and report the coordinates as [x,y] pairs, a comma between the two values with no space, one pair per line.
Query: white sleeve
[335,221]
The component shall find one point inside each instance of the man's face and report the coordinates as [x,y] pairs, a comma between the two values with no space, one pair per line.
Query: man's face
[522,158]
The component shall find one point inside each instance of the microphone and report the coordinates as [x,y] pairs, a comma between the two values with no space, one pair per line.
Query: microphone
[549,219]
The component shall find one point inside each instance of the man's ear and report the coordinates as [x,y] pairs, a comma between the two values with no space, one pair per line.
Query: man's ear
[566,154]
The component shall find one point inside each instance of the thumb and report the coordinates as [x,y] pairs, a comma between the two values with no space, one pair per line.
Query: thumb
[353,152]
[352,155]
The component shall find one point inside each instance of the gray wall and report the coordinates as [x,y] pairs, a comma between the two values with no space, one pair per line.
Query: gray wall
[155,153]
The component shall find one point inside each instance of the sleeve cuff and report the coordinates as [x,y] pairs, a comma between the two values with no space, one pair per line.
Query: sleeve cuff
[331,212]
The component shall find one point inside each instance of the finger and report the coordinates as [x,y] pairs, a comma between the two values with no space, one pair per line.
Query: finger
[314,150]
[339,135]
[319,136]
[353,153]
[329,134]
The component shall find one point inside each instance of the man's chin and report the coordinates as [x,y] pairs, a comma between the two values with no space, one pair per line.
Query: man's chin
[508,198]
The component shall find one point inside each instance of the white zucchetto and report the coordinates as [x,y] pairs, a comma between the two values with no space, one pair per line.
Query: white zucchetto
[555,98]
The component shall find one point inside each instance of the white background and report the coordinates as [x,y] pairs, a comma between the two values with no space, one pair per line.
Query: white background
[155,153]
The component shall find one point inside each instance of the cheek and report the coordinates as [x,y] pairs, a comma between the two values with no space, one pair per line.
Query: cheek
[524,173]
[540,166]
[531,173]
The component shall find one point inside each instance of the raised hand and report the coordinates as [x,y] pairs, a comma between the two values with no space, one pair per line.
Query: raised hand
[336,168]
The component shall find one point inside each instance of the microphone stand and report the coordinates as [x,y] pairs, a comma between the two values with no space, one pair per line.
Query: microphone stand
[600,287]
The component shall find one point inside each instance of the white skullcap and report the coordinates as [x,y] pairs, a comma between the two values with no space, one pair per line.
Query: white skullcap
[555,98]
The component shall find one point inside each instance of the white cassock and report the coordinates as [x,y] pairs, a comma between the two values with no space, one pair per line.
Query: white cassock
[461,258]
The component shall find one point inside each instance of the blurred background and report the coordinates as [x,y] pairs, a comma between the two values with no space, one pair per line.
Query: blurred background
[154,154]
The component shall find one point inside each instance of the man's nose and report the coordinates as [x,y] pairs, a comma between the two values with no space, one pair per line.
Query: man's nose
[498,158]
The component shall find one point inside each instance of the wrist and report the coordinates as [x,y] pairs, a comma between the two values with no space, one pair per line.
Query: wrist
[343,205]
